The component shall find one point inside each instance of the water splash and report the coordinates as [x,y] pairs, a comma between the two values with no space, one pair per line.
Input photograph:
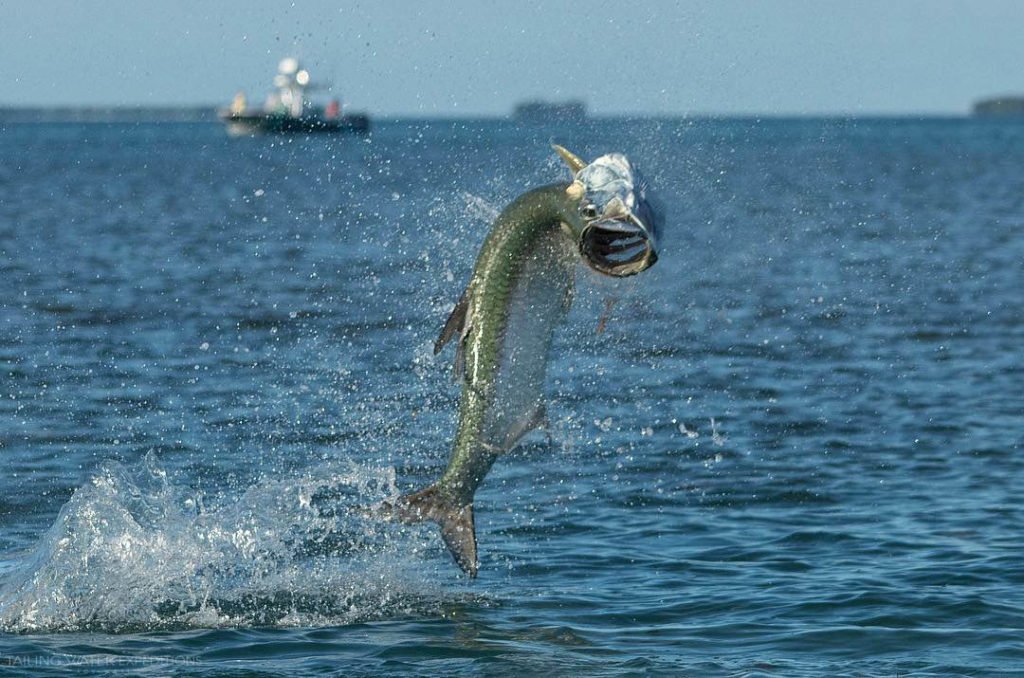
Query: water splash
[480,208]
[135,550]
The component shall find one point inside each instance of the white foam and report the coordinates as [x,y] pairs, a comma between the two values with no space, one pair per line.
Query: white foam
[134,549]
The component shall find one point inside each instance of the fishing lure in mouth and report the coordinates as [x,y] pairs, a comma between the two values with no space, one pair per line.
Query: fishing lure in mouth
[520,290]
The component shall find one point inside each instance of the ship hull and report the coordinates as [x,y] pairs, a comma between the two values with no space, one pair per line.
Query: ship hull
[246,124]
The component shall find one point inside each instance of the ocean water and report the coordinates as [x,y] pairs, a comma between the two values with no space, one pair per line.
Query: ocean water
[794,450]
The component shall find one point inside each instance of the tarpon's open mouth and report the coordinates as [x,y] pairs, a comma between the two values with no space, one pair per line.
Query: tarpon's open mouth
[618,247]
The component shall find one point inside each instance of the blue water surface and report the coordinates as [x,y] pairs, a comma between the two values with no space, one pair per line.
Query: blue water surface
[794,451]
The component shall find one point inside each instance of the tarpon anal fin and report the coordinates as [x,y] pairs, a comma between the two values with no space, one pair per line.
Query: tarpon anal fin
[456,325]
[457,526]
[532,420]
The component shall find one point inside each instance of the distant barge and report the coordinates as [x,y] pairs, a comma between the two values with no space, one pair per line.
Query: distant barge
[1000,106]
[547,111]
[289,111]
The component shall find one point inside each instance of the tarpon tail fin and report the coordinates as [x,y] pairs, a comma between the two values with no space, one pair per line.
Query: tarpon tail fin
[457,527]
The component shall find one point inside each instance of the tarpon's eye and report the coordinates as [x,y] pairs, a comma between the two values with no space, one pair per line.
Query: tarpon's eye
[588,212]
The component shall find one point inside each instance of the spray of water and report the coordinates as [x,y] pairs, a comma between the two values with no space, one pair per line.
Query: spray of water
[133,549]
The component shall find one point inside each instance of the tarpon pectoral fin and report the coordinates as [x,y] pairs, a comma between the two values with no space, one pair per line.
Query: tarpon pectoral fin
[457,526]
[574,162]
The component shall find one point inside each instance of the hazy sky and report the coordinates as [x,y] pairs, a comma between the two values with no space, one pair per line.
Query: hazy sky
[464,57]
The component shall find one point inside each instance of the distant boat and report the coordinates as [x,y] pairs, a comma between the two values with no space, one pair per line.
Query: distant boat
[548,111]
[289,110]
[1000,106]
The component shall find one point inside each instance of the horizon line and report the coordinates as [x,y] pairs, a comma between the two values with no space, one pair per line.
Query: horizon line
[8,109]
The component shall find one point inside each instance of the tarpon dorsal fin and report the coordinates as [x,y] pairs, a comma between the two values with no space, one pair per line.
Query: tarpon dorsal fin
[456,325]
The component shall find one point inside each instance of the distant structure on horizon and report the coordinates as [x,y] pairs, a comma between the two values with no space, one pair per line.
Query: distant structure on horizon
[1000,106]
[548,111]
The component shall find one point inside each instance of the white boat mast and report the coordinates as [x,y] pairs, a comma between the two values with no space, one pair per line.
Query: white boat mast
[291,82]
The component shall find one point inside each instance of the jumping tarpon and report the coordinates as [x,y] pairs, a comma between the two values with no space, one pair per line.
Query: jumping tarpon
[502,325]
